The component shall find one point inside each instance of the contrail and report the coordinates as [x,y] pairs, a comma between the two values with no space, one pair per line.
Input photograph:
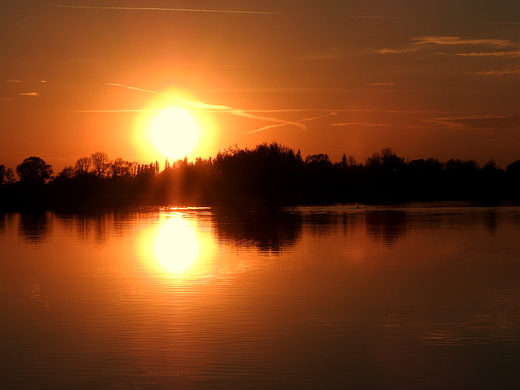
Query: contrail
[298,122]
[220,108]
[318,117]
[134,88]
[244,12]
[220,11]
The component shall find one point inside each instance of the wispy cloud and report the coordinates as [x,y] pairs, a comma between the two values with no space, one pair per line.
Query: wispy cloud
[478,121]
[393,51]
[21,81]
[381,84]
[499,72]
[513,54]
[443,40]
[29,94]
[491,47]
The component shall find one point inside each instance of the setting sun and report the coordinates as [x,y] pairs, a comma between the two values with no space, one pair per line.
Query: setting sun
[174,133]
[174,126]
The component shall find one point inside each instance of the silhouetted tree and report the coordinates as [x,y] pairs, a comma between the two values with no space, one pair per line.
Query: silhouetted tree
[122,168]
[100,164]
[83,165]
[460,179]
[513,179]
[384,176]
[423,181]
[318,161]
[67,172]
[34,170]
[347,161]
[267,175]
[491,181]
[6,175]
[491,166]
[319,184]
[386,159]
[514,169]
[374,160]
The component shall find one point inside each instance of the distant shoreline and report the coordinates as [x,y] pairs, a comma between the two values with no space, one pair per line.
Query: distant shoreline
[268,176]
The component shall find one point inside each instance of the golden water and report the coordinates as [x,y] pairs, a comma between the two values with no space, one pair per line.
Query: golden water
[416,297]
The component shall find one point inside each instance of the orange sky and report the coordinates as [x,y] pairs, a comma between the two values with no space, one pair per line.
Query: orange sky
[428,79]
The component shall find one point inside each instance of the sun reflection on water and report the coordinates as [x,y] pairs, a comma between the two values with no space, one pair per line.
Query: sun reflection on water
[177,247]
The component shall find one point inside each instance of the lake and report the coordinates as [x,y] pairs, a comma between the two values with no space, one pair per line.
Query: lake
[422,296]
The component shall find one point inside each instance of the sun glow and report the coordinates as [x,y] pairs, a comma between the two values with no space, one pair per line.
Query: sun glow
[174,127]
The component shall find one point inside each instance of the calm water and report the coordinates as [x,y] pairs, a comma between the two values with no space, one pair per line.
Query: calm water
[311,298]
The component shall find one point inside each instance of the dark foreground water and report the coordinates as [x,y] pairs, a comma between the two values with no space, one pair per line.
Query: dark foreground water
[417,297]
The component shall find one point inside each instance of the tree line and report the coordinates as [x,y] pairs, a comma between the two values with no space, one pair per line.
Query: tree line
[267,175]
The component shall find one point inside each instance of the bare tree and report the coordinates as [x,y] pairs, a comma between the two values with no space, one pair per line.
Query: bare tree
[68,172]
[83,164]
[6,175]
[101,164]
[121,167]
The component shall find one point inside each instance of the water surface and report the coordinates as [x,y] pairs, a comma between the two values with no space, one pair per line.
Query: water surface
[416,297]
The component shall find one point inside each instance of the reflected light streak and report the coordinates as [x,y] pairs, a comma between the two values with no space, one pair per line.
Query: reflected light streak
[176,247]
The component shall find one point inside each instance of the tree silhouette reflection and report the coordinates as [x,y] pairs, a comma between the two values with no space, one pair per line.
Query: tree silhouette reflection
[34,227]
[386,227]
[266,230]
[490,221]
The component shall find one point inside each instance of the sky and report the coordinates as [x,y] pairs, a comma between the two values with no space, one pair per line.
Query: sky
[426,78]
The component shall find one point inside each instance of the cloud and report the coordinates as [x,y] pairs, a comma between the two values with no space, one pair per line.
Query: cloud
[443,40]
[21,81]
[478,121]
[29,94]
[513,54]
[393,51]
[503,72]
[379,84]
[458,42]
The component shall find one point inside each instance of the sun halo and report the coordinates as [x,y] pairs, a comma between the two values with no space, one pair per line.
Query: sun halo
[169,128]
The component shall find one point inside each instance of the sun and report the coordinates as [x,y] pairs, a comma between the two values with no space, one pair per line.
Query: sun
[174,132]
[174,126]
